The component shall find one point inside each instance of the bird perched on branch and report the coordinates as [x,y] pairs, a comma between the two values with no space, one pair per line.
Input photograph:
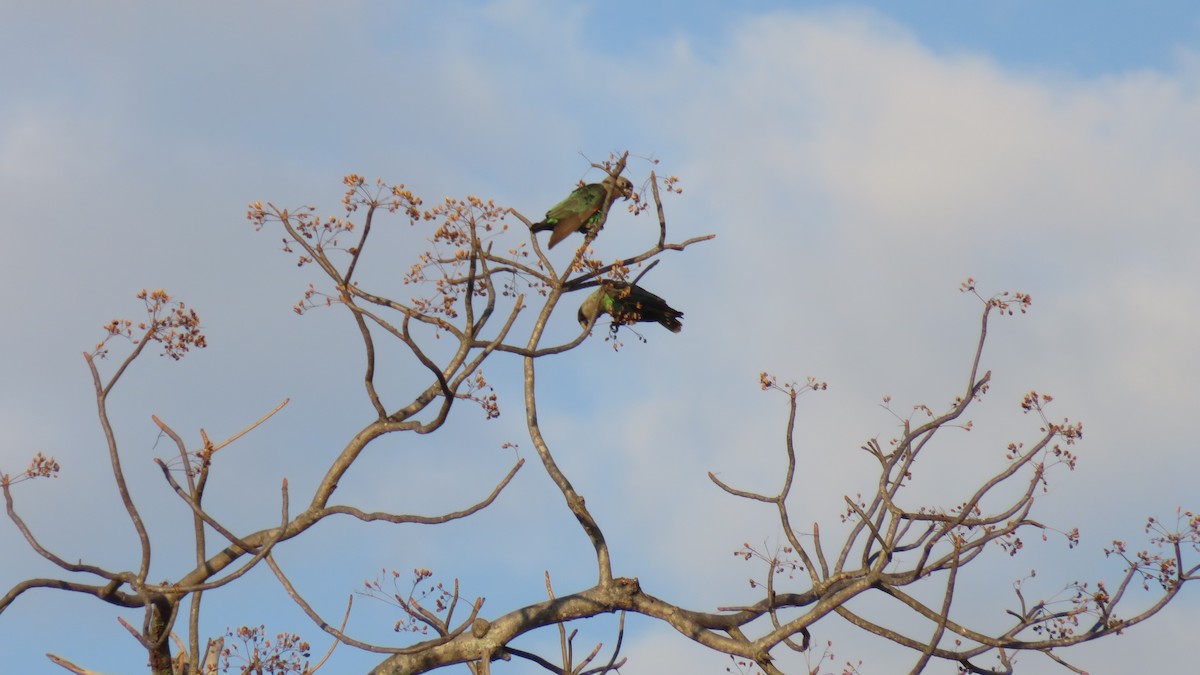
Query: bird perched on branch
[628,303]
[584,208]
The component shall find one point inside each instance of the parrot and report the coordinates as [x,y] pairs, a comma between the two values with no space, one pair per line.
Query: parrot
[581,209]
[628,303]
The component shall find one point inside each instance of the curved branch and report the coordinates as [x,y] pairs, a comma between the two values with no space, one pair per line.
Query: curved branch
[426,520]
[621,594]
[577,282]
[107,592]
[574,501]
[356,252]
[369,354]
[48,555]
[114,457]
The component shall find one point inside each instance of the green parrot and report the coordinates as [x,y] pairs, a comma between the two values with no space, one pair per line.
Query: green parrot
[581,210]
[628,303]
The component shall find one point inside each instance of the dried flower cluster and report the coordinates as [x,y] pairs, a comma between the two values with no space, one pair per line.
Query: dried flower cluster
[254,652]
[168,322]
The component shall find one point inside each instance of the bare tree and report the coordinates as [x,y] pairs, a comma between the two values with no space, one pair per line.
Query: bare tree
[893,544]
[481,292]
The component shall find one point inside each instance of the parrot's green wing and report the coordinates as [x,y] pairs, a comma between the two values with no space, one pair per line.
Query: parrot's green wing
[574,213]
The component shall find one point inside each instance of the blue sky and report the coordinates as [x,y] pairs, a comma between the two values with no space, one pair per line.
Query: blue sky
[857,161]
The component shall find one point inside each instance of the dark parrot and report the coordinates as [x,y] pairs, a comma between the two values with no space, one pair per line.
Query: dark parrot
[628,303]
[581,210]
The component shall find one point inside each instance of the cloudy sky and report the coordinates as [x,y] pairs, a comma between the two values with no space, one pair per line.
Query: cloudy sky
[856,163]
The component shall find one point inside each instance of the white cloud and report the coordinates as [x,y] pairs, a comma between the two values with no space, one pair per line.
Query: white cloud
[853,178]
